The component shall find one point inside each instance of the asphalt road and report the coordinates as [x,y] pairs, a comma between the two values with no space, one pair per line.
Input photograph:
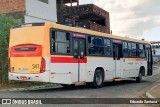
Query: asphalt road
[120,89]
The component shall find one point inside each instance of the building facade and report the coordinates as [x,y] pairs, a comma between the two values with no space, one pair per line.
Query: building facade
[41,11]
[12,6]
[30,10]
[61,11]
[15,8]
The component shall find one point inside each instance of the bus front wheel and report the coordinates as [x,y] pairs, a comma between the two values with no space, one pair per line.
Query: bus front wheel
[139,78]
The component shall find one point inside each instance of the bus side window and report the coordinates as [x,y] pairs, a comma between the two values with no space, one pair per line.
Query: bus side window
[129,49]
[125,49]
[134,50]
[53,39]
[99,49]
[68,42]
[141,51]
[107,47]
[95,45]
[75,48]
[89,45]
[60,42]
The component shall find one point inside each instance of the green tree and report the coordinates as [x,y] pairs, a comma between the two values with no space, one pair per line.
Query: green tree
[6,22]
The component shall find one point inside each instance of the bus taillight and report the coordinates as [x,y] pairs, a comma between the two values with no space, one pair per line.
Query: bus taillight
[43,65]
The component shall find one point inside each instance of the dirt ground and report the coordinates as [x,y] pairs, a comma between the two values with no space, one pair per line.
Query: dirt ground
[12,85]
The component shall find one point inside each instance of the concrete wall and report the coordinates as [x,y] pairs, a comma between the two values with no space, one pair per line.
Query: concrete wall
[37,11]
[31,19]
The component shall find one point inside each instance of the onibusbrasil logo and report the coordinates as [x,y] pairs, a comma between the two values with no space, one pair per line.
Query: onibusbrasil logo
[19,101]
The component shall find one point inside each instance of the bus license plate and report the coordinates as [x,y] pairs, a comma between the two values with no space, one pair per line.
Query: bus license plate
[23,78]
[23,69]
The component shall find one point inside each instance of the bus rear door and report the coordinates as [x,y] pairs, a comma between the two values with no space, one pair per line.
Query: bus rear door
[117,55]
[79,52]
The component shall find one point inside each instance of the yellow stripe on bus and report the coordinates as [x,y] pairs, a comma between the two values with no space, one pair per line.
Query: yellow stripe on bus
[135,59]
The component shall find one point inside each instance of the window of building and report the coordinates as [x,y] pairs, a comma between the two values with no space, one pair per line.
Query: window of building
[44,1]
[95,45]
[60,42]
[107,47]
[125,49]
[141,51]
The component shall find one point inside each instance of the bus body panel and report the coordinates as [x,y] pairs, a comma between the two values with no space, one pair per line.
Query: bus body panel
[25,65]
[29,48]
[63,73]
[82,72]
[30,75]
[106,63]
[27,35]
[118,72]
[67,67]
[131,66]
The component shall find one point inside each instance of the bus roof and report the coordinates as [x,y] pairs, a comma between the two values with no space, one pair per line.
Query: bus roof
[90,32]
[95,33]
[82,30]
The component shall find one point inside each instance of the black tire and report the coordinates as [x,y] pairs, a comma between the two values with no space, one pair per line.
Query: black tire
[68,86]
[139,78]
[98,79]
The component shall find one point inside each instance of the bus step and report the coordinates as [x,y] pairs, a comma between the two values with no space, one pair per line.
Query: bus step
[118,79]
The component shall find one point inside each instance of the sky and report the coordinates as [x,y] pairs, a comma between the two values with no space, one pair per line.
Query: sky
[133,18]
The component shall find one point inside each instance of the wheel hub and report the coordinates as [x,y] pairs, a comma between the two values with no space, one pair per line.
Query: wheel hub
[99,79]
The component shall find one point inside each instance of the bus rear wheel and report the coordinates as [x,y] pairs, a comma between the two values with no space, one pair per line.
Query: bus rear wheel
[98,79]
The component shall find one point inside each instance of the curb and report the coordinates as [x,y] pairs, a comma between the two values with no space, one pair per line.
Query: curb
[148,95]
[48,86]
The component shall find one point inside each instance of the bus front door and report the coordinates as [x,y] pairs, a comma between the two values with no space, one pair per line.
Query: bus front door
[79,54]
[149,61]
[117,55]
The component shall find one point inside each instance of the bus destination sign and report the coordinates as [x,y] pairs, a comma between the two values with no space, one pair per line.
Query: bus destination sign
[117,41]
[79,35]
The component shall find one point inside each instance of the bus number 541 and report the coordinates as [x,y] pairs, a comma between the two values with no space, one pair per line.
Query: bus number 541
[35,66]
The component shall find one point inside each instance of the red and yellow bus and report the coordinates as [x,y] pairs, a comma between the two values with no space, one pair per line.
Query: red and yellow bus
[54,53]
